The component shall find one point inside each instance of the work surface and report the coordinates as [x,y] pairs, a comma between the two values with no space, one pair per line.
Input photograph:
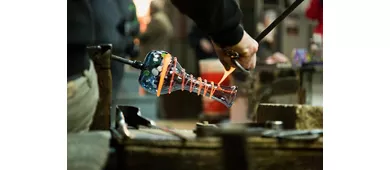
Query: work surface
[152,149]
[178,124]
[157,137]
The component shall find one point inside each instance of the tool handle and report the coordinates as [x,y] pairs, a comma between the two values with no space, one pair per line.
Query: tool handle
[135,64]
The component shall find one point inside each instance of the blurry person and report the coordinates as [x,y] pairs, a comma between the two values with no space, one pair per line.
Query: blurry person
[90,22]
[159,30]
[125,46]
[266,53]
[201,44]
[128,27]
[94,22]
[315,12]
[143,13]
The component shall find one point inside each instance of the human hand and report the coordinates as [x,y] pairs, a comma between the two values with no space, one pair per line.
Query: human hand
[277,58]
[246,48]
[206,46]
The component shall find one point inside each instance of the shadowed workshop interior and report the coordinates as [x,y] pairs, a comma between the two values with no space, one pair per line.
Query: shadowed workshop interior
[268,118]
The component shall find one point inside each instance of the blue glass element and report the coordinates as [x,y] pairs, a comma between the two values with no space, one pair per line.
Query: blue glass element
[150,76]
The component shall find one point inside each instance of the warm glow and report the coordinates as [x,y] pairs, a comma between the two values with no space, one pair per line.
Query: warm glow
[193,82]
[143,14]
[226,74]
[142,7]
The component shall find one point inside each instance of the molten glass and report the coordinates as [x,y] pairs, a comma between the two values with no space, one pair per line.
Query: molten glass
[162,74]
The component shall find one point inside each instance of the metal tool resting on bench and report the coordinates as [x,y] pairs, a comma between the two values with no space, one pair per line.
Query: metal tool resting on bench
[133,118]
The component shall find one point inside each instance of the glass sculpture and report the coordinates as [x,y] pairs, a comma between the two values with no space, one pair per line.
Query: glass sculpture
[161,73]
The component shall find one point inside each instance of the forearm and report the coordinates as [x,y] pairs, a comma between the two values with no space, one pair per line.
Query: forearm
[220,19]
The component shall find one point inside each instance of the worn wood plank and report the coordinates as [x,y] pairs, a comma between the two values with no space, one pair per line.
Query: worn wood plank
[206,153]
[293,116]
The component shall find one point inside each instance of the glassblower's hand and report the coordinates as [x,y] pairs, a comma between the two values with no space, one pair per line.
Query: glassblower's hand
[246,48]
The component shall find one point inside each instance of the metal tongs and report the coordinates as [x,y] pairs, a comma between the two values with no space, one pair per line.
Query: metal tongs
[235,56]
[129,116]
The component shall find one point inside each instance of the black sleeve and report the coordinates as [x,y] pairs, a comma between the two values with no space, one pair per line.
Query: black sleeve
[220,19]
[134,19]
[194,37]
